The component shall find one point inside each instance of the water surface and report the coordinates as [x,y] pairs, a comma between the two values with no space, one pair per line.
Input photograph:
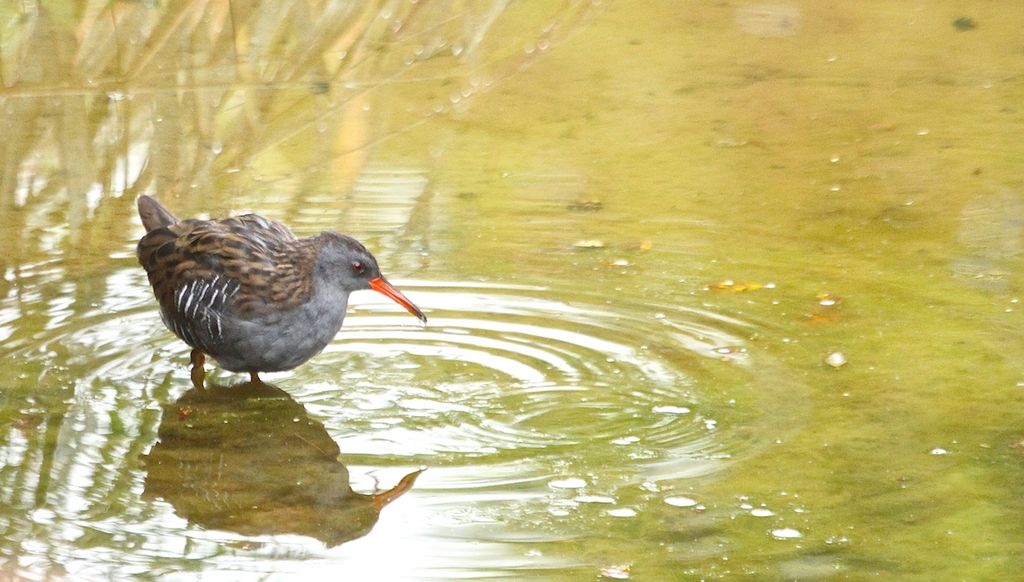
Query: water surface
[715,292]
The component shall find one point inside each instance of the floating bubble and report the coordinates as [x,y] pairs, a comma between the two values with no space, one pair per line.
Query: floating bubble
[622,512]
[669,409]
[594,499]
[680,501]
[618,572]
[569,483]
[836,359]
[786,533]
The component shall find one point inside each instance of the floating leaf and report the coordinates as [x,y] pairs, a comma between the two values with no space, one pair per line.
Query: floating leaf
[964,23]
[730,286]
[830,317]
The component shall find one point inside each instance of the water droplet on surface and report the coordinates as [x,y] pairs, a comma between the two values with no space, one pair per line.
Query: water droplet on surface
[762,512]
[939,451]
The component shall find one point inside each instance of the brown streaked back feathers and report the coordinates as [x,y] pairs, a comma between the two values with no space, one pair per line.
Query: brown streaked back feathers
[270,264]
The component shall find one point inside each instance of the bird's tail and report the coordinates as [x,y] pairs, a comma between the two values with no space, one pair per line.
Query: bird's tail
[153,214]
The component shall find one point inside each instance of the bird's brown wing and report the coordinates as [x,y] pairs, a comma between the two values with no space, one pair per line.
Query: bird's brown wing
[243,265]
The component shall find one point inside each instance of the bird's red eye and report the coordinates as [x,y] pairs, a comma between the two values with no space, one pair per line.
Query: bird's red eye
[358,267]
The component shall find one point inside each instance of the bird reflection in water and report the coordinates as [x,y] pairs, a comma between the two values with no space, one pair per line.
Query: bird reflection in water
[248,459]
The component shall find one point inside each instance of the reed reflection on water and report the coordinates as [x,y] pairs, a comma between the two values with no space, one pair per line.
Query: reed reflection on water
[226,99]
[218,103]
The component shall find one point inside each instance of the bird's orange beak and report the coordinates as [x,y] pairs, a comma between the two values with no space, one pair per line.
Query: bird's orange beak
[381,285]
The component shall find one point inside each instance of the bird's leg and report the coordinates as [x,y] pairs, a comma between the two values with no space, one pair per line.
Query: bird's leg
[198,372]
[254,377]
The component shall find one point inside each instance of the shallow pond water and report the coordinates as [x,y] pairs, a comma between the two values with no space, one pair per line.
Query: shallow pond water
[727,291]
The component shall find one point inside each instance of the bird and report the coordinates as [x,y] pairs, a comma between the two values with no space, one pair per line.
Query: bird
[247,292]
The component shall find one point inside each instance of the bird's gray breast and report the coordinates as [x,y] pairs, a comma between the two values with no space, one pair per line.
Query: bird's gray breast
[281,340]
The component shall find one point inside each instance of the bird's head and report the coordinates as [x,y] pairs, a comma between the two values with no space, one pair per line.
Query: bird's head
[345,262]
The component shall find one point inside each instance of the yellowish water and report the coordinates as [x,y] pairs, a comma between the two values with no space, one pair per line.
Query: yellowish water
[716,291]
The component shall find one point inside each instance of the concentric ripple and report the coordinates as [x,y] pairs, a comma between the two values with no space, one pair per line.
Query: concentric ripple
[501,374]
[522,401]
[512,373]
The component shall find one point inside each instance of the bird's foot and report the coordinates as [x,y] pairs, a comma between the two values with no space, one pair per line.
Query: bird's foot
[198,371]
